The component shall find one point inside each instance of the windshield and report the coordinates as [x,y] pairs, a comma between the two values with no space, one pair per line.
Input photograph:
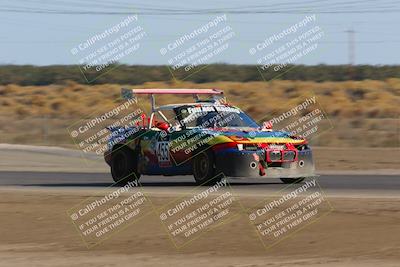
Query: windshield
[215,117]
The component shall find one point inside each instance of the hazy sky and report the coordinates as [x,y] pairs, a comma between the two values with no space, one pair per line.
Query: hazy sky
[44,38]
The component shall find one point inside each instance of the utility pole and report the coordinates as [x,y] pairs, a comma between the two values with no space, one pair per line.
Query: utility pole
[351,50]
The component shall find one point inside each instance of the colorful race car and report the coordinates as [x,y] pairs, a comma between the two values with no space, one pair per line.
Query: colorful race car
[204,139]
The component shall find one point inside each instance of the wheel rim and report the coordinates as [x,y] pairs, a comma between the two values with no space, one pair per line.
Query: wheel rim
[202,165]
[119,165]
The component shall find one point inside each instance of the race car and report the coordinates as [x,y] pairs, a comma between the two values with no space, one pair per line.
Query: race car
[206,138]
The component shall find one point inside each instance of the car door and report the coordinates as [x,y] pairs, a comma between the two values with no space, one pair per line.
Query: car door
[162,150]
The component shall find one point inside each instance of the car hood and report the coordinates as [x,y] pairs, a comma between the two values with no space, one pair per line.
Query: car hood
[251,135]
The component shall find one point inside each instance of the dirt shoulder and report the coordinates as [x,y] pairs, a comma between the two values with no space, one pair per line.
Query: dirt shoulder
[37,231]
[362,160]
[48,159]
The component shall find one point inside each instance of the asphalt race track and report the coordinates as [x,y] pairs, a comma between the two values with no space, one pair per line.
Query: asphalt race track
[329,183]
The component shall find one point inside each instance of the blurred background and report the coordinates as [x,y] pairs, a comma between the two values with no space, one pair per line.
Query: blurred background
[353,72]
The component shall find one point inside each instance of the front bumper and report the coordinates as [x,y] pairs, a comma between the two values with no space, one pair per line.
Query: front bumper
[235,163]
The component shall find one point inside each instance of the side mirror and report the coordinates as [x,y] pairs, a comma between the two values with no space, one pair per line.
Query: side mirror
[267,126]
[163,126]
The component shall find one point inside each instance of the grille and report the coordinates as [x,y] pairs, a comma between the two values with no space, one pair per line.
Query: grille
[275,165]
[251,147]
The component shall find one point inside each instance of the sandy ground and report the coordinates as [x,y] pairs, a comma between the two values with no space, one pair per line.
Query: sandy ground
[362,230]
[36,231]
[330,160]
[327,160]
[48,159]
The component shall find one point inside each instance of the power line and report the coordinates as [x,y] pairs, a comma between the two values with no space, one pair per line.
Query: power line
[146,7]
[194,12]
[297,7]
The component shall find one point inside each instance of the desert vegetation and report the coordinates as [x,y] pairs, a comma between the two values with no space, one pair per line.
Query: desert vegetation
[363,113]
[138,74]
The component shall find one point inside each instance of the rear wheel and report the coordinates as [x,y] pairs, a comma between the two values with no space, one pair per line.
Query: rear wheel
[204,169]
[292,180]
[124,166]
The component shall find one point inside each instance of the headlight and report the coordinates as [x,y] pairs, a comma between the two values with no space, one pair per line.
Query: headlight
[275,155]
[289,155]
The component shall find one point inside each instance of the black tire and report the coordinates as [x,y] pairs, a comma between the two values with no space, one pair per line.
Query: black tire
[292,180]
[204,169]
[124,166]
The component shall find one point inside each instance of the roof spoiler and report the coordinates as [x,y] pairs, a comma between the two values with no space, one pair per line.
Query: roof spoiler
[129,93]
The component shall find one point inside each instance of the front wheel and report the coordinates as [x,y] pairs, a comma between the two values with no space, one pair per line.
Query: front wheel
[124,166]
[204,169]
[292,180]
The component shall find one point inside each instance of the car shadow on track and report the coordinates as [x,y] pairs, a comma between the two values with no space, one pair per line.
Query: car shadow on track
[147,184]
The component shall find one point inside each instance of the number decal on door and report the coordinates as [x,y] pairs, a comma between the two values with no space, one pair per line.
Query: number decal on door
[163,154]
